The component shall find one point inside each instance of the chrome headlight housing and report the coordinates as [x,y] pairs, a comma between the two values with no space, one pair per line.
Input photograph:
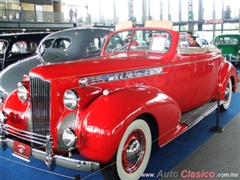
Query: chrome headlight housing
[69,138]
[70,99]
[22,92]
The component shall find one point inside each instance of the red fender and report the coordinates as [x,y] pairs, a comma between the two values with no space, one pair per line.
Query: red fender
[104,121]
[16,111]
[228,71]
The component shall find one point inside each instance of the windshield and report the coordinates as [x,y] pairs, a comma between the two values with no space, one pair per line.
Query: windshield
[226,40]
[141,41]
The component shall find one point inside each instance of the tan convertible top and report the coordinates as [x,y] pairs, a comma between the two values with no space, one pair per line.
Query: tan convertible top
[197,50]
[123,25]
[149,23]
[159,24]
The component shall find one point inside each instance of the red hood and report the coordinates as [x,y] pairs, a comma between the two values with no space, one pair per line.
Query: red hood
[100,65]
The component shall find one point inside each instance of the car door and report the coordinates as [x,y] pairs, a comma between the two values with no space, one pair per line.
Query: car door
[194,80]
[204,78]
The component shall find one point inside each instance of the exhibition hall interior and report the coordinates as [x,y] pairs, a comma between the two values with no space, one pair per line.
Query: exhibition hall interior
[119,89]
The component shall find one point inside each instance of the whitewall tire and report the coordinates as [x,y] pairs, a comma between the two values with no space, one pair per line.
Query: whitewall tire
[133,153]
[227,96]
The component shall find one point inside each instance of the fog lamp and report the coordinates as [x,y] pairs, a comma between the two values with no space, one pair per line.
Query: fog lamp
[69,138]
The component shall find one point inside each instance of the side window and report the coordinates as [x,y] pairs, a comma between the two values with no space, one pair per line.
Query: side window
[47,43]
[32,46]
[219,41]
[119,41]
[20,47]
[114,43]
[23,47]
[62,43]
[3,46]
[204,42]
[94,46]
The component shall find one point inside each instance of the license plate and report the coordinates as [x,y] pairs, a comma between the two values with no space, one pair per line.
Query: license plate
[21,151]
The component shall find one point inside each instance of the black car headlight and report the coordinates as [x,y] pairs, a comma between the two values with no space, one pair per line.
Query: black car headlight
[22,92]
[70,99]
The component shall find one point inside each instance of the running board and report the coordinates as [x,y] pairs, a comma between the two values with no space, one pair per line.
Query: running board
[192,117]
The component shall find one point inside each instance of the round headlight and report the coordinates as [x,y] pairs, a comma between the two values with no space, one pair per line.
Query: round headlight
[69,138]
[22,93]
[70,99]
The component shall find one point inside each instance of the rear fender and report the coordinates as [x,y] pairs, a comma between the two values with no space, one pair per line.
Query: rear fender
[228,71]
[105,120]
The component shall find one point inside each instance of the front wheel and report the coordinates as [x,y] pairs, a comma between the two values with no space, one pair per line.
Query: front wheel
[227,96]
[132,155]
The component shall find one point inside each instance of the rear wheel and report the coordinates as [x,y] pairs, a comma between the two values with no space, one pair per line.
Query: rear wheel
[227,96]
[133,153]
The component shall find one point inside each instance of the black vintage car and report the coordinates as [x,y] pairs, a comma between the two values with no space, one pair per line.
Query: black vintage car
[17,46]
[67,45]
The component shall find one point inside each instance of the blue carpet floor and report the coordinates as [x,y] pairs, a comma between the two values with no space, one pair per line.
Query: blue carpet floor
[162,159]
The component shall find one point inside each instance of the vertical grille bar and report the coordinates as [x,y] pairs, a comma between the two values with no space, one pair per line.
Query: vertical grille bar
[40,100]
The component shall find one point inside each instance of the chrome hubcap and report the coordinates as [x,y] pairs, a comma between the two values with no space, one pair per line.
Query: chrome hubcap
[134,151]
[227,93]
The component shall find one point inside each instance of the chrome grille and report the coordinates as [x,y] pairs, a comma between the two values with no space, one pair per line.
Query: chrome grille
[40,101]
[37,139]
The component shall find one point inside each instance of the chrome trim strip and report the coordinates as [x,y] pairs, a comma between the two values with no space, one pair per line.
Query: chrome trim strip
[99,79]
[24,135]
[33,75]
[92,80]
[22,131]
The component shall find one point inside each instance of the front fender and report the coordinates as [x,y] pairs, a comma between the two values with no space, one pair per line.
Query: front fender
[16,111]
[105,120]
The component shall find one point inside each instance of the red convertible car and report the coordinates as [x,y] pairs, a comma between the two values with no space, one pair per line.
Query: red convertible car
[108,109]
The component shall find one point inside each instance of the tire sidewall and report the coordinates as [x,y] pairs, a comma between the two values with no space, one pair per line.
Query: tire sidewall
[226,105]
[143,126]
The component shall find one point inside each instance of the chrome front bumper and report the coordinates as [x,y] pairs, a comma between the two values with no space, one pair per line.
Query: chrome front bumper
[54,160]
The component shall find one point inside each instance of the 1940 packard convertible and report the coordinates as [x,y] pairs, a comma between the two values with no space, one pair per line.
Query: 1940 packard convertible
[108,109]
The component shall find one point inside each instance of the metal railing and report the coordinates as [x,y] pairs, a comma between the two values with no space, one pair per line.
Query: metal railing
[41,16]
[46,16]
